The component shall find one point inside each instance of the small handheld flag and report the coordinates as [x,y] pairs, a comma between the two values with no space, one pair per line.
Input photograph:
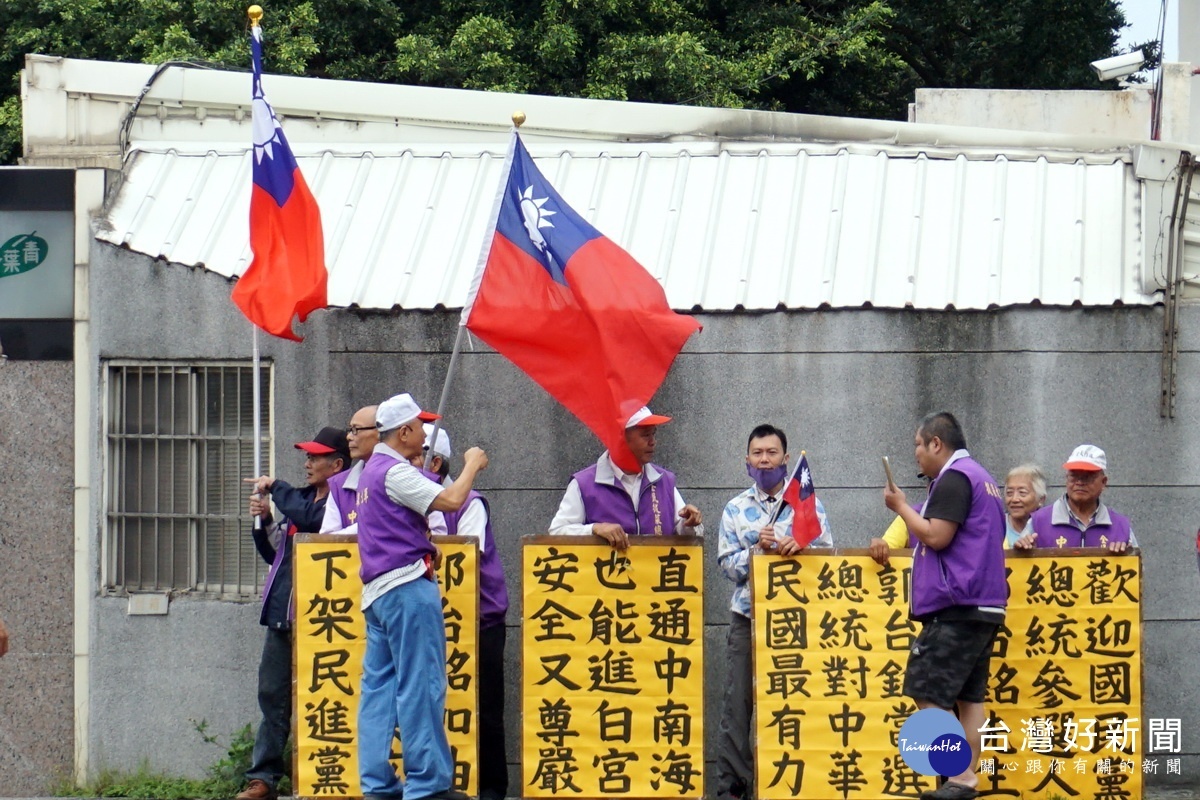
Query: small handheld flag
[801,495]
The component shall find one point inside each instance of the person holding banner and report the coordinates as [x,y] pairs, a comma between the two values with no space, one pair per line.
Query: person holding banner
[326,456]
[475,519]
[751,522]
[404,666]
[1079,518]
[959,589]
[604,500]
[341,508]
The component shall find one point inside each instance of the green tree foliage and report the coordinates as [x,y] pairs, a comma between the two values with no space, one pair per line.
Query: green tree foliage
[845,57]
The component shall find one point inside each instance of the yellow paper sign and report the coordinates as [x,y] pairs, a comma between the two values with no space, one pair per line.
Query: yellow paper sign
[613,681]
[330,638]
[831,642]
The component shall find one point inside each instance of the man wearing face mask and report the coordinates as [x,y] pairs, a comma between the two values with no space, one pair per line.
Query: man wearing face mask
[743,530]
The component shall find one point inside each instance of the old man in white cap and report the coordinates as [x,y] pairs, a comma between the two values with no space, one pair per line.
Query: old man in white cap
[404,667]
[1078,518]
[608,502]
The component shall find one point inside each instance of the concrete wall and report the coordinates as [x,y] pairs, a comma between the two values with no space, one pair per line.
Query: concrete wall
[848,386]
[1124,114]
[36,562]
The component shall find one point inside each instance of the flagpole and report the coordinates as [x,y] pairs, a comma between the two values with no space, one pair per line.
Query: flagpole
[441,409]
[779,506]
[255,13]
[518,119]
[257,394]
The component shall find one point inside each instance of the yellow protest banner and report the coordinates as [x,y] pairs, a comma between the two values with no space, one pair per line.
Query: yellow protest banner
[330,638]
[613,680]
[831,641]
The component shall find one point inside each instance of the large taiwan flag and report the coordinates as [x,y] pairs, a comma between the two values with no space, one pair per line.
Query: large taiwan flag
[287,275]
[570,308]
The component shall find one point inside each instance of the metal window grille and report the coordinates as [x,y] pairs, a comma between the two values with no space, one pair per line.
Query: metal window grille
[180,439]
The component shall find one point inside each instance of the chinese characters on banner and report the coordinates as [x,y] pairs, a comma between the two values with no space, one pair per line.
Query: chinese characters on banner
[831,640]
[613,681]
[330,637]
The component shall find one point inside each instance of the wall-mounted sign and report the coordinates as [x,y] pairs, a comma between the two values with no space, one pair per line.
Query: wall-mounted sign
[37,243]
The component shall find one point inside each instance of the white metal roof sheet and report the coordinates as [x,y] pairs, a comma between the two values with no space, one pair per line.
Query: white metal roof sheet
[723,226]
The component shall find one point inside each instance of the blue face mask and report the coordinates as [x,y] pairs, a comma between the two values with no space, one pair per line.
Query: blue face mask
[767,479]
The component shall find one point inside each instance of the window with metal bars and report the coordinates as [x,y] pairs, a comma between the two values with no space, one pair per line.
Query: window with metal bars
[180,439]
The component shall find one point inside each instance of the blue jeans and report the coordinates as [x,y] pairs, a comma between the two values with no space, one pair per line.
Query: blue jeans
[404,684]
[275,700]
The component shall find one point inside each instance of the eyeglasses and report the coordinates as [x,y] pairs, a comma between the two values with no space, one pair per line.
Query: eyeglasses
[1082,478]
[355,430]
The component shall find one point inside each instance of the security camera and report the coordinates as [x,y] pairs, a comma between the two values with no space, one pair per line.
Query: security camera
[1121,66]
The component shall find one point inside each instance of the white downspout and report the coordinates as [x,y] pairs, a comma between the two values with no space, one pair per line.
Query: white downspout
[89,200]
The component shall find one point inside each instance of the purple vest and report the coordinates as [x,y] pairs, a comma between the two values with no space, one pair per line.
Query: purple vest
[606,503]
[390,536]
[970,570]
[346,499]
[1097,534]
[493,594]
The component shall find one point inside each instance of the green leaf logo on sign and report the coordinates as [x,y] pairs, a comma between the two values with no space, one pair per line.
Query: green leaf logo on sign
[22,253]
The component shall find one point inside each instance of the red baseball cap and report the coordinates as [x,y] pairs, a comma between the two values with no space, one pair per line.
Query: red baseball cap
[328,440]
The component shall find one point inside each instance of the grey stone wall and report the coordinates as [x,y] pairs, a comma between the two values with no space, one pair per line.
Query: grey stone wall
[36,566]
[847,385]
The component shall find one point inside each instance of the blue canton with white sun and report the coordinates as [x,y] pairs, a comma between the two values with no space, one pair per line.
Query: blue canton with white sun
[535,218]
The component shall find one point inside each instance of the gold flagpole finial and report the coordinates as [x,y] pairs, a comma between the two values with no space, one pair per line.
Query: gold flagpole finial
[518,118]
[255,13]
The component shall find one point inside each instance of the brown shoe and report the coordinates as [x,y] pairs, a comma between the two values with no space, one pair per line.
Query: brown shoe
[258,790]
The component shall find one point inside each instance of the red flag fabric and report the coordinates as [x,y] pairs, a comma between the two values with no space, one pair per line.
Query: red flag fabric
[287,276]
[571,309]
[801,495]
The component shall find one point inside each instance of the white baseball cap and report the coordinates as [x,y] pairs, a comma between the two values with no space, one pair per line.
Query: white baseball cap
[397,410]
[1087,458]
[644,417]
[442,446]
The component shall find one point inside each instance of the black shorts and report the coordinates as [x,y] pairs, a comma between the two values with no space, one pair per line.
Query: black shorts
[950,661]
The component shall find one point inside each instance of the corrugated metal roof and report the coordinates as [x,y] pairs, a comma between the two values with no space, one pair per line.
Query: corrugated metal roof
[722,225]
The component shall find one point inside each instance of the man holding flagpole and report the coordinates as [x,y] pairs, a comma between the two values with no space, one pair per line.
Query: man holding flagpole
[757,520]
[404,667]
[614,503]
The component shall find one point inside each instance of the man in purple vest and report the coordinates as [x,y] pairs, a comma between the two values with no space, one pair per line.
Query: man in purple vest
[959,590]
[1078,518]
[341,514]
[475,519]
[326,457]
[404,666]
[608,502]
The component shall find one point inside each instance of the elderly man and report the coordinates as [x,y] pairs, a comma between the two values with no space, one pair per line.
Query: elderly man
[1078,518]
[744,529]
[341,509]
[608,502]
[959,591]
[404,667]
[326,456]
[475,519]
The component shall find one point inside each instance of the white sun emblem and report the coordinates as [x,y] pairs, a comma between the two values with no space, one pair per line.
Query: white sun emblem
[535,217]
[805,477]
[265,129]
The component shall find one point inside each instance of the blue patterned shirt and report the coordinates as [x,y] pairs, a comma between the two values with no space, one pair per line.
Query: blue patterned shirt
[744,516]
